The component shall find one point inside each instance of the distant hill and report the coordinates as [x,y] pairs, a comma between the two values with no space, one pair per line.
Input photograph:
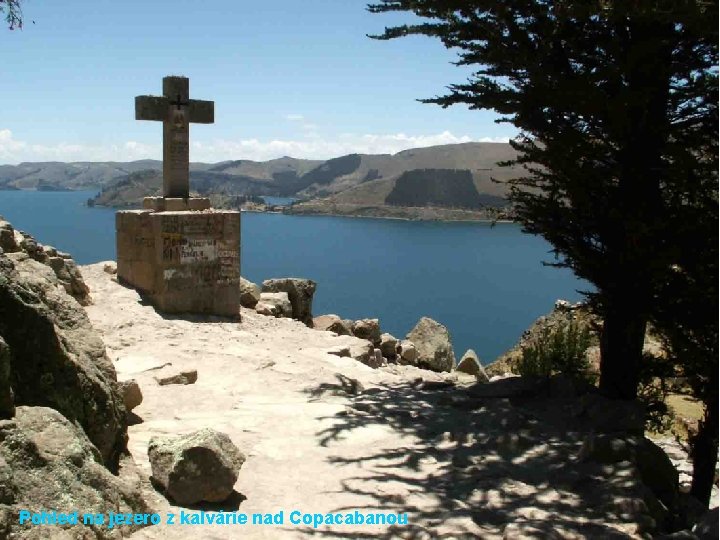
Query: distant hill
[424,183]
[436,187]
[355,169]
[130,190]
[75,176]
[273,169]
[458,176]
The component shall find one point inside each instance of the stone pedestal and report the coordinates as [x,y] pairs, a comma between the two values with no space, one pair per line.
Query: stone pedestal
[183,261]
[170,204]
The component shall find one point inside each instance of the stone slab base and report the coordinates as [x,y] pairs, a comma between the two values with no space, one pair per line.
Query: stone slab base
[169,204]
[182,261]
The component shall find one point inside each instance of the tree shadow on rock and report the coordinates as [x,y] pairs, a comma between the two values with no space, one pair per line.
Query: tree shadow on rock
[479,466]
[231,504]
[345,386]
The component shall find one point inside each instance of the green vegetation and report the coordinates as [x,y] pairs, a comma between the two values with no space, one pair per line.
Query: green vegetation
[686,413]
[561,350]
[654,390]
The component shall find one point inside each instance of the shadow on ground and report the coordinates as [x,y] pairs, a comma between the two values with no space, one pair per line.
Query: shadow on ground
[478,466]
[145,300]
[231,504]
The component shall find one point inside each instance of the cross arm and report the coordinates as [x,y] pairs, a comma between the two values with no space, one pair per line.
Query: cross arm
[201,112]
[150,108]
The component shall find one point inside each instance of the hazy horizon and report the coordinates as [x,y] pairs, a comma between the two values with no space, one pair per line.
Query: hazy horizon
[248,159]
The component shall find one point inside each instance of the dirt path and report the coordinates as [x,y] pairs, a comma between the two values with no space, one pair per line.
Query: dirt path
[460,468]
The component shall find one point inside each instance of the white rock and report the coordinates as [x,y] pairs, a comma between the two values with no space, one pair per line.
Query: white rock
[432,341]
[280,301]
[408,353]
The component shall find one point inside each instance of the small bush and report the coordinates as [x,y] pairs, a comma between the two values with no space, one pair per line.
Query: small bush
[558,351]
[655,376]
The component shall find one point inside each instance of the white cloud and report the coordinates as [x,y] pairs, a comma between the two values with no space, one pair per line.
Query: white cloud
[14,151]
[9,146]
[317,146]
[312,146]
[294,117]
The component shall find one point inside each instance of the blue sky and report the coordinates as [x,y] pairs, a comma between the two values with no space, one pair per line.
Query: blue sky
[288,77]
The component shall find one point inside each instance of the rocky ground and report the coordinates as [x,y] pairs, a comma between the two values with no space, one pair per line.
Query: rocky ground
[323,434]
[63,426]
[308,430]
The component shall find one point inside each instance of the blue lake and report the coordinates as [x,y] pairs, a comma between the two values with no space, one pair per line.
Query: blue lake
[486,284]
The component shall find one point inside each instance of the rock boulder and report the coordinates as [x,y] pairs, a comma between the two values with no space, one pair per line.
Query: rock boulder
[131,394]
[47,462]
[364,352]
[470,364]
[333,323]
[69,275]
[408,353]
[300,293]
[388,346]
[249,293]
[432,341]
[379,360]
[265,309]
[200,466]
[279,304]
[65,269]
[658,472]
[7,236]
[367,329]
[56,358]
[654,466]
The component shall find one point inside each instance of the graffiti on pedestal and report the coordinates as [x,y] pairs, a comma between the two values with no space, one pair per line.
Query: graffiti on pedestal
[198,250]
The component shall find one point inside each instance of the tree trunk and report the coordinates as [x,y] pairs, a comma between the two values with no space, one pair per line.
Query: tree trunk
[621,346]
[633,232]
[705,453]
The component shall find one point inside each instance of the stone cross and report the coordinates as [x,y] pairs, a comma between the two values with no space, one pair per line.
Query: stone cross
[175,110]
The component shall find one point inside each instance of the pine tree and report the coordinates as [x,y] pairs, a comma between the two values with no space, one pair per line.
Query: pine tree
[616,103]
[12,12]
[685,316]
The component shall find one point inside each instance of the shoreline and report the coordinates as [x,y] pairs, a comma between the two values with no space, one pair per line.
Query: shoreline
[340,215]
[415,212]
[395,218]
